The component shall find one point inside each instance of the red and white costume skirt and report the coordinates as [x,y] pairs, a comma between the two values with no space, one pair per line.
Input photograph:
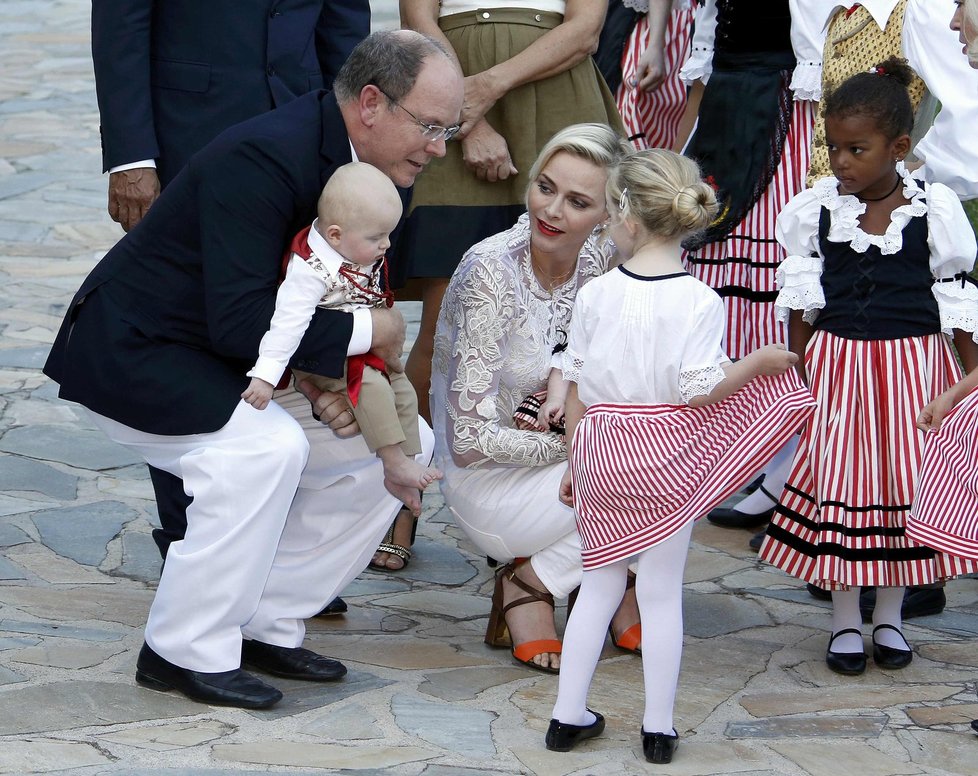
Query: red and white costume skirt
[652,118]
[944,514]
[642,472]
[842,518]
[742,266]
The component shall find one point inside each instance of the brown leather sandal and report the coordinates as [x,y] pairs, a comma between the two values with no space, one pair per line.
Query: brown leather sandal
[497,632]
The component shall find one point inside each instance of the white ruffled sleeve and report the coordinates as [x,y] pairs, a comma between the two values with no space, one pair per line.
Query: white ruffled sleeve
[799,277]
[699,65]
[808,26]
[952,256]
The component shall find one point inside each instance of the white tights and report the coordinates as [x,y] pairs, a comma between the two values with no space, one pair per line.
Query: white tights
[659,590]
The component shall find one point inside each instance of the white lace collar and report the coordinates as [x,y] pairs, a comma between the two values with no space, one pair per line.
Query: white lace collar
[845,209]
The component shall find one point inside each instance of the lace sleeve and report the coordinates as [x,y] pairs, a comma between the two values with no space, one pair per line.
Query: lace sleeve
[701,370]
[799,280]
[483,310]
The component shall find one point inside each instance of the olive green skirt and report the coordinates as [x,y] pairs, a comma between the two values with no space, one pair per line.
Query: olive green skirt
[451,209]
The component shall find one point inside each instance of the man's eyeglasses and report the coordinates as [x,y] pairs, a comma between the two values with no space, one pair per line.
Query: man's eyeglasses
[431,132]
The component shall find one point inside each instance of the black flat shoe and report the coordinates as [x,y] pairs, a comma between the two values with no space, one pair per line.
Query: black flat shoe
[756,541]
[562,737]
[848,663]
[726,517]
[291,663]
[974,725]
[818,592]
[891,657]
[659,747]
[225,688]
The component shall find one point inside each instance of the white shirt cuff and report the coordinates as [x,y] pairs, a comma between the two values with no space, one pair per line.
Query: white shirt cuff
[363,332]
[151,163]
[268,369]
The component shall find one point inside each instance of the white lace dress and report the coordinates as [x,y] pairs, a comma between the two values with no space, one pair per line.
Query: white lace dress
[493,346]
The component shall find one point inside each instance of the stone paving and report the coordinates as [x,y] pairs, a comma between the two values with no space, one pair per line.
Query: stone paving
[424,694]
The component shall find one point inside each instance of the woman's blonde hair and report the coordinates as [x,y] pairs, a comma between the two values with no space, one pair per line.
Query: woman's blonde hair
[663,191]
[595,143]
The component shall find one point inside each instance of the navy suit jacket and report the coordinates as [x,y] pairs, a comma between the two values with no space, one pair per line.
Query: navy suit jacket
[161,333]
[171,75]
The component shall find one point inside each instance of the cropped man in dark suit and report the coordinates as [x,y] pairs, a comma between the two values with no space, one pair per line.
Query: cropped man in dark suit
[157,341]
[170,75]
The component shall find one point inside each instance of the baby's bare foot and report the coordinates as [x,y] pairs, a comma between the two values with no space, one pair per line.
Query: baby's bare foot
[400,469]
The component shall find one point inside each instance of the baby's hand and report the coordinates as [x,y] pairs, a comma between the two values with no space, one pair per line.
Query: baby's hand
[773,359]
[552,412]
[258,393]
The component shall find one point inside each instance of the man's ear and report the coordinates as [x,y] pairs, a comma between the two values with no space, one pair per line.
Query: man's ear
[370,104]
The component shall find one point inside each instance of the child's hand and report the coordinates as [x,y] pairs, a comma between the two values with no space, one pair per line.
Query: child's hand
[552,412]
[931,416]
[566,492]
[258,393]
[773,359]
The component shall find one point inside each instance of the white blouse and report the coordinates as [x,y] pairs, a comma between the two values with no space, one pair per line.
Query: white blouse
[637,340]
[949,236]
[493,344]
[807,39]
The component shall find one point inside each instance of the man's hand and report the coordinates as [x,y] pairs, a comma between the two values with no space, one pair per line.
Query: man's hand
[331,409]
[131,192]
[388,336]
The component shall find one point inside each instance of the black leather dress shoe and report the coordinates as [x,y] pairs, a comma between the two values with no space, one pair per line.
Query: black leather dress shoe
[562,737]
[659,747]
[226,688]
[847,663]
[890,657]
[334,607]
[291,662]
[917,602]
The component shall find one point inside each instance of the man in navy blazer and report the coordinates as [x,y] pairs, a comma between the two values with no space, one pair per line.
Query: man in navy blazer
[156,343]
[170,75]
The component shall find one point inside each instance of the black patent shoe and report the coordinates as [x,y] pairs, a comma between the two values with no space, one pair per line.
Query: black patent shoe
[562,737]
[291,662]
[224,688]
[659,747]
[847,663]
[890,657]
[974,725]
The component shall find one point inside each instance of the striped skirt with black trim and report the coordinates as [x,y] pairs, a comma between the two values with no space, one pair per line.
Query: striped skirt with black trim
[842,518]
[642,472]
[652,118]
[742,266]
[944,514]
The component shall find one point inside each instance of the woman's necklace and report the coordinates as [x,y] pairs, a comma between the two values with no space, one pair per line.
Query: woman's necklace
[552,280]
[896,185]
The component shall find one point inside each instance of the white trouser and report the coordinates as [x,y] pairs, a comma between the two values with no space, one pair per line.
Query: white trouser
[284,515]
[514,512]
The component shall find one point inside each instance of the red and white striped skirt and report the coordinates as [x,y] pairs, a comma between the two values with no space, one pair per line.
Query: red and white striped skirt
[652,118]
[742,266]
[842,518]
[641,472]
[944,514]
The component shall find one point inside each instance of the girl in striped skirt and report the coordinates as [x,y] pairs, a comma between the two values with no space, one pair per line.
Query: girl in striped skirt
[873,281]
[662,427]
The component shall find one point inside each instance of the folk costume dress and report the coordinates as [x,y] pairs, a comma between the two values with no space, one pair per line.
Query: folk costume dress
[881,306]
[493,347]
[644,463]
[761,63]
[652,118]
[451,210]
